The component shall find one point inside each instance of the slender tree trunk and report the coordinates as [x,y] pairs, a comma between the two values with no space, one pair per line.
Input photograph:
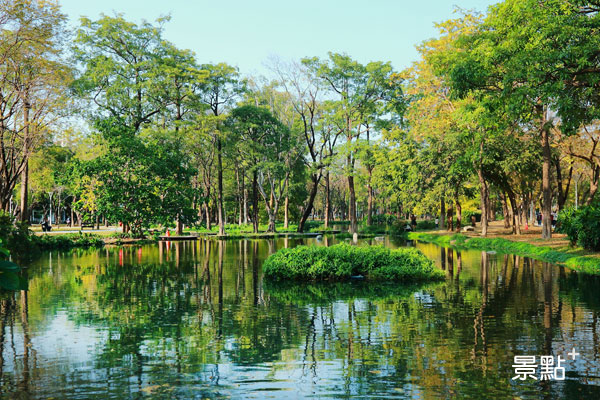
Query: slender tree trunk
[593,185]
[207,212]
[546,188]
[245,197]
[442,213]
[220,188]
[450,219]
[255,202]
[240,196]
[327,201]
[515,213]
[370,200]
[311,199]
[352,205]
[24,192]
[72,216]
[458,212]
[286,207]
[483,189]
[505,210]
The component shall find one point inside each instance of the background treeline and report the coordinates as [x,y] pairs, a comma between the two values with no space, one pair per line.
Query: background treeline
[113,123]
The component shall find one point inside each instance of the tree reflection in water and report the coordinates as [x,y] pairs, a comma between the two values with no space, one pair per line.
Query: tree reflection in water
[185,319]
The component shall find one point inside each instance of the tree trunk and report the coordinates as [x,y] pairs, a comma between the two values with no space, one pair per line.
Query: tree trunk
[442,213]
[179,228]
[240,196]
[593,185]
[370,200]
[24,192]
[505,210]
[72,216]
[515,213]
[245,198]
[546,188]
[483,190]
[255,202]
[311,198]
[220,188]
[458,212]
[286,207]
[352,205]
[207,212]
[327,201]
[563,192]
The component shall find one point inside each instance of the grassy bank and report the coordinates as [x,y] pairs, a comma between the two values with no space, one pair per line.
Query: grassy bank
[587,264]
[342,262]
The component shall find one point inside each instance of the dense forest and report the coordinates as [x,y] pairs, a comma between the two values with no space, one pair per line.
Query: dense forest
[111,122]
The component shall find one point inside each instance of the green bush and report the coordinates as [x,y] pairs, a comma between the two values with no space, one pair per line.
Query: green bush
[342,261]
[16,235]
[581,226]
[68,241]
[568,223]
[466,216]
[426,224]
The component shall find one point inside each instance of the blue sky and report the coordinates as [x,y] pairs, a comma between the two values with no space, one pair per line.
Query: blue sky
[246,33]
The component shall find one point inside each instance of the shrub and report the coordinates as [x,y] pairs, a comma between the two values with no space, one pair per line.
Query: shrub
[342,261]
[567,223]
[51,242]
[466,216]
[426,224]
[581,226]
[15,235]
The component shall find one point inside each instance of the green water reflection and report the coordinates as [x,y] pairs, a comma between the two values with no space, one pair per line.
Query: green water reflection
[195,320]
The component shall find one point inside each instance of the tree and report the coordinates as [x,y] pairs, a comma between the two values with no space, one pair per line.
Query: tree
[263,142]
[221,87]
[361,90]
[32,87]
[531,58]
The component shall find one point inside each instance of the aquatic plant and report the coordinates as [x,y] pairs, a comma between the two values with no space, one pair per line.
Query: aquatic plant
[343,261]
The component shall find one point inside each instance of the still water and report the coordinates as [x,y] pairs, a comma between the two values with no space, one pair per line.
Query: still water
[195,320]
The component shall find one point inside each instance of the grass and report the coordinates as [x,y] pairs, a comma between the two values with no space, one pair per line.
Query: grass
[342,262]
[68,241]
[569,258]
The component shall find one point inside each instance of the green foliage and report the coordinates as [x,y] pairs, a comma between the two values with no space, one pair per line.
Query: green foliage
[68,241]
[426,224]
[582,226]
[16,235]
[467,214]
[342,261]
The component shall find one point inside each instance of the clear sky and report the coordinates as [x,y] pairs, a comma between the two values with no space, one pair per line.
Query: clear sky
[245,33]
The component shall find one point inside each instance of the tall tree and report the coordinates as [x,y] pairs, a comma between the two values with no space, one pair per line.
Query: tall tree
[33,79]
[219,90]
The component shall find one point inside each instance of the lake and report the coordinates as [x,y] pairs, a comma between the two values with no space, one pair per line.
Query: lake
[196,320]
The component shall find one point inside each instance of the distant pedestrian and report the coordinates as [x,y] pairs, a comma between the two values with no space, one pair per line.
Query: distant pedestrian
[413,222]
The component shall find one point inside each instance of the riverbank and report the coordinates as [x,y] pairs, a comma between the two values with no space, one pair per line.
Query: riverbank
[574,258]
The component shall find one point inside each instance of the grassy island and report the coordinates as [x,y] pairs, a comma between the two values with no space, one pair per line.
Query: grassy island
[343,262]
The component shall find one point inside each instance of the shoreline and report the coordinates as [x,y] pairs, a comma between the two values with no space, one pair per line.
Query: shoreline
[587,263]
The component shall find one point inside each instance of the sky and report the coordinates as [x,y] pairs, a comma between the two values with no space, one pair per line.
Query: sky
[247,33]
